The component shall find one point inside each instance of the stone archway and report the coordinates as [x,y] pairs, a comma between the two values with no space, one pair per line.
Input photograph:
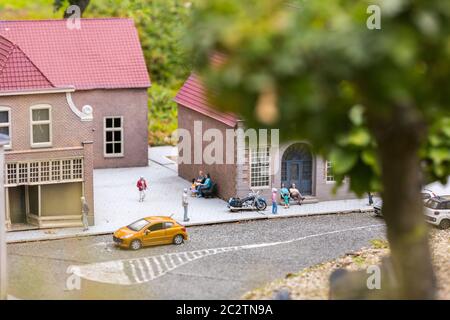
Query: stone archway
[297,167]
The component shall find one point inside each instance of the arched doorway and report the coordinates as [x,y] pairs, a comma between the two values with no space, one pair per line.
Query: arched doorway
[297,167]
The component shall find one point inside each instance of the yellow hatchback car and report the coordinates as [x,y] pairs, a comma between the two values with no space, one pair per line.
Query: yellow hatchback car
[150,231]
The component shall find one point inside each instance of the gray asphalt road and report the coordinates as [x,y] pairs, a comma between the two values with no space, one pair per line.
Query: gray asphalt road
[38,270]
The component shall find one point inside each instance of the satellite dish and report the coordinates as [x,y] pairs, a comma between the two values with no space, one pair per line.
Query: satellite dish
[87,109]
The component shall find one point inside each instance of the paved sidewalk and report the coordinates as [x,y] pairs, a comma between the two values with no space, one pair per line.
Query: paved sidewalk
[116,204]
[165,156]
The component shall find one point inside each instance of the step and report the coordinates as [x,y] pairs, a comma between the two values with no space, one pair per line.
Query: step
[308,200]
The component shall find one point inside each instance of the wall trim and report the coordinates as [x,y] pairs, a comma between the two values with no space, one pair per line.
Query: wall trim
[43,150]
[85,114]
[36,91]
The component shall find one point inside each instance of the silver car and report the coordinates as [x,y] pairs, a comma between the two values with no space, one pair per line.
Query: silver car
[437,211]
[426,194]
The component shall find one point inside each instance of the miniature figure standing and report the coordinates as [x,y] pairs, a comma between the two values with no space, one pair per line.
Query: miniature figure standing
[142,186]
[274,201]
[85,212]
[185,203]
[370,198]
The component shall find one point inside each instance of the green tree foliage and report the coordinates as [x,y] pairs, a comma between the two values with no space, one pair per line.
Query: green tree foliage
[161,25]
[25,9]
[64,4]
[372,101]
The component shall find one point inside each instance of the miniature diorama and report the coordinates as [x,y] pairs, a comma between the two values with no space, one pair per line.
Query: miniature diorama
[224,150]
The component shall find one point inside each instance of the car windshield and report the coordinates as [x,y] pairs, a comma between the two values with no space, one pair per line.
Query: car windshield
[138,225]
[433,204]
[426,196]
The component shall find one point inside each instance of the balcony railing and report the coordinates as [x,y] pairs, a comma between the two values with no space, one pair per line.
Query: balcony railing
[43,172]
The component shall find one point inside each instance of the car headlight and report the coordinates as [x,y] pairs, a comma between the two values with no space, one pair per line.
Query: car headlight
[127,236]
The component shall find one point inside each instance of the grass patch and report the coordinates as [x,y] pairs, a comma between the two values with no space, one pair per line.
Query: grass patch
[379,244]
[358,260]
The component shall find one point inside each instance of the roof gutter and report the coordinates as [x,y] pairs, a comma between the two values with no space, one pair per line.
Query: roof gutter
[36,91]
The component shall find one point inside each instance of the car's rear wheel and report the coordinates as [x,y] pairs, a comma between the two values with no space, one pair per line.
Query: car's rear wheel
[135,245]
[178,239]
[445,224]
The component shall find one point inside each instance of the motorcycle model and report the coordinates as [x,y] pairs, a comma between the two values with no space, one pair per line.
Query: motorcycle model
[254,201]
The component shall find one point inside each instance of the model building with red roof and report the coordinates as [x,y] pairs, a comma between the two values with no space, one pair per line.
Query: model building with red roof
[71,100]
[300,167]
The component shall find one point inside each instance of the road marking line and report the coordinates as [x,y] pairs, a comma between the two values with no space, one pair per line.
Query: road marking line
[149,267]
[187,256]
[109,243]
[141,268]
[158,265]
[165,266]
[180,259]
[133,272]
[114,272]
[172,263]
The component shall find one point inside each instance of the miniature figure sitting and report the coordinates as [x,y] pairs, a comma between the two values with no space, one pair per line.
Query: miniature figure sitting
[284,192]
[200,179]
[295,194]
[204,186]
[193,188]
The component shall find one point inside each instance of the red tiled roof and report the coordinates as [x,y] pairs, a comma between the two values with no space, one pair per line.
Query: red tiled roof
[218,59]
[17,72]
[192,95]
[102,54]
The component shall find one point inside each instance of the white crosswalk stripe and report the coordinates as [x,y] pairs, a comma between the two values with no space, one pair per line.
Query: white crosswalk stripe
[158,266]
[149,268]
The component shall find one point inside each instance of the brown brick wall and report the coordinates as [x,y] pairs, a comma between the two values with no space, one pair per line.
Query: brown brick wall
[132,105]
[223,174]
[68,135]
[67,129]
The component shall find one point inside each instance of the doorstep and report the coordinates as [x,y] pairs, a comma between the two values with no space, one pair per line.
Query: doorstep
[15,227]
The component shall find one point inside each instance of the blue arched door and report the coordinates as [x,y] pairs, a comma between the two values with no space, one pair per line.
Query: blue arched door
[297,167]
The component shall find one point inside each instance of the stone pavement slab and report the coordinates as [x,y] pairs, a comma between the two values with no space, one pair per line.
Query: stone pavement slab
[165,156]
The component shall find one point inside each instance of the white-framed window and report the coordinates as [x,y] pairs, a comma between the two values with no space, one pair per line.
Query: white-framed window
[113,136]
[5,123]
[41,126]
[260,167]
[329,177]
[44,172]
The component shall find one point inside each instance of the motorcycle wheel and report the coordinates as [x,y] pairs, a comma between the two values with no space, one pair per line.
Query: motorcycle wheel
[261,205]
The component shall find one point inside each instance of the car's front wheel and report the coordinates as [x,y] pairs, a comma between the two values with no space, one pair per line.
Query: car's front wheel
[445,224]
[135,245]
[178,239]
